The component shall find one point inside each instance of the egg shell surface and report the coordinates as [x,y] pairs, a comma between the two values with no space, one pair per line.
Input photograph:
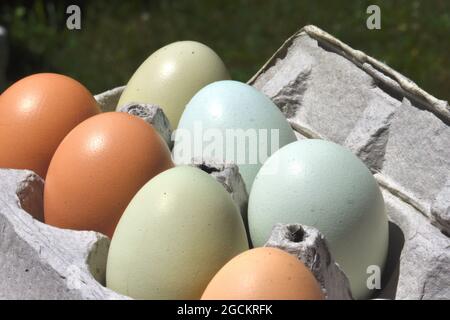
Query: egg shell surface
[36,113]
[172,75]
[323,185]
[98,168]
[230,121]
[264,274]
[176,233]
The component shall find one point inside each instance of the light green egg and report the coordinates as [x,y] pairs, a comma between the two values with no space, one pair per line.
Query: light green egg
[172,75]
[175,234]
[321,184]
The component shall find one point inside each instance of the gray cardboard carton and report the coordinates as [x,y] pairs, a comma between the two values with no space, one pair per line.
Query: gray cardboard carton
[326,90]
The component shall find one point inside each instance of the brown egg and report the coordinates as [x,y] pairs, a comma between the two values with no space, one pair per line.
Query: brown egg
[36,113]
[263,274]
[98,168]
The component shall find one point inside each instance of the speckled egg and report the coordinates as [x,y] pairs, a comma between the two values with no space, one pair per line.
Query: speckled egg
[172,75]
[321,184]
[230,121]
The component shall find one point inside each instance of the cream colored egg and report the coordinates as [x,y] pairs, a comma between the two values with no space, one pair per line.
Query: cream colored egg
[172,75]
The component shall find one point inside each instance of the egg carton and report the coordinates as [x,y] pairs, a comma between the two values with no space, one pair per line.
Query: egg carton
[39,261]
[326,90]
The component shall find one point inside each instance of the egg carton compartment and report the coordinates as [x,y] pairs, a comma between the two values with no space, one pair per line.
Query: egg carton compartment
[38,261]
[326,90]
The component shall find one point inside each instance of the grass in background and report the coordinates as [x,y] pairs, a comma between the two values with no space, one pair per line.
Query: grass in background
[116,37]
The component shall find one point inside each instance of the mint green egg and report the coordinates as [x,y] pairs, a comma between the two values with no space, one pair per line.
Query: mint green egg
[176,233]
[321,184]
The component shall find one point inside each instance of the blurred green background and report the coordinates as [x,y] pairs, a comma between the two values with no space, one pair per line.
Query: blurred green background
[117,36]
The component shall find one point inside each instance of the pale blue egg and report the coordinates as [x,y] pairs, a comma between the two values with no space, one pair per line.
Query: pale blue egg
[321,184]
[230,121]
